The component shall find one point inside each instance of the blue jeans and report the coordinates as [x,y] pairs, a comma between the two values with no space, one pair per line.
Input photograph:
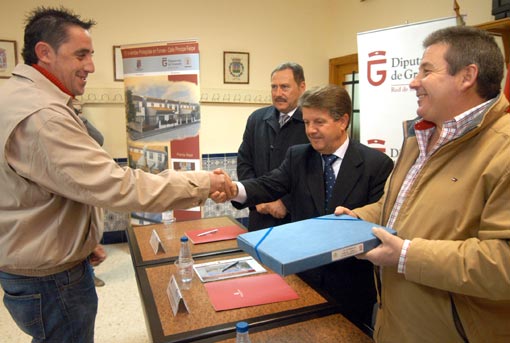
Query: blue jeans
[56,308]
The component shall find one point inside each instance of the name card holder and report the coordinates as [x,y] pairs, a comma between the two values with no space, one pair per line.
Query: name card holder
[174,294]
[156,244]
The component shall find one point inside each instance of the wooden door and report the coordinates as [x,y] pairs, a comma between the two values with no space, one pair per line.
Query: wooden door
[339,67]
[343,71]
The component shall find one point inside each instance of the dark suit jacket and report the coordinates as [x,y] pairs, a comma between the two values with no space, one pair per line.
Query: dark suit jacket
[263,149]
[360,181]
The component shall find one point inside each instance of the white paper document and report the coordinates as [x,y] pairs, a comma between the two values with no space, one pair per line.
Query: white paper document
[225,269]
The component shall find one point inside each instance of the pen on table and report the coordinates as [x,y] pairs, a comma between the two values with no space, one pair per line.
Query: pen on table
[207,232]
[230,266]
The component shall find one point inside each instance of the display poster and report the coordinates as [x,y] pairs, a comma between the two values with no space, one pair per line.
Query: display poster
[162,94]
[388,61]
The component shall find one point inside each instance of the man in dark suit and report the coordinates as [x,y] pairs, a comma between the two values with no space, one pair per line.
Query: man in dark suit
[266,140]
[361,173]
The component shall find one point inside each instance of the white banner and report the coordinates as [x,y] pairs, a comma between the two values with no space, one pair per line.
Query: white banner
[388,60]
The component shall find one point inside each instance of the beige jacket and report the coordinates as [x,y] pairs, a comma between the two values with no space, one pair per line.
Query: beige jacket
[54,177]
[457,216]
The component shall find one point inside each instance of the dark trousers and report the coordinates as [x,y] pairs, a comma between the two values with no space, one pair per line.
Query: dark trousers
[350,284]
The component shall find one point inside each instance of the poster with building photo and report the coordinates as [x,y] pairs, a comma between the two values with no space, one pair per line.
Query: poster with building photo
[162,100]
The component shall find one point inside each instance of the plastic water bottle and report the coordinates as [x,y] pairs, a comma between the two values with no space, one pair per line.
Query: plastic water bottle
[185,262]
[168,218]
[242,335]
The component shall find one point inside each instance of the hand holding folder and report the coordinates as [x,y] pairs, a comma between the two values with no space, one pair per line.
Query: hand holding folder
[321,240]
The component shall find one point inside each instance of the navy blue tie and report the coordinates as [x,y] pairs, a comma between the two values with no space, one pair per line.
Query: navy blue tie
[329,177]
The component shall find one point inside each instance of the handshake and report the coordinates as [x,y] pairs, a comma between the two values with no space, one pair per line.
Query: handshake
[222,188]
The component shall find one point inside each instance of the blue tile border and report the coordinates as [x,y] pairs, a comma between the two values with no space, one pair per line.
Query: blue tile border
[121,161]
[113,237]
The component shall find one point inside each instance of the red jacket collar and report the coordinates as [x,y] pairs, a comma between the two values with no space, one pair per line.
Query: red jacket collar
[53,79]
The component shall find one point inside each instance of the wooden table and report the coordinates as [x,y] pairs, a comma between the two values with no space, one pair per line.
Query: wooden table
[310,318]
[203,323]
[143,254]
[332,328]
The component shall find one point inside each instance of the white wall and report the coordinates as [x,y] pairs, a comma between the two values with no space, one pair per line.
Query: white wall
[355,16]
[305,31]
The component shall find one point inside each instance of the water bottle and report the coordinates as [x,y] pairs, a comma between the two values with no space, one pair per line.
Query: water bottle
[242,335]
[185,263]
[168,218]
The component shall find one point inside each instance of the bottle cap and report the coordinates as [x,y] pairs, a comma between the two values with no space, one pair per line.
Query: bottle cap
[184,238]
[242,327]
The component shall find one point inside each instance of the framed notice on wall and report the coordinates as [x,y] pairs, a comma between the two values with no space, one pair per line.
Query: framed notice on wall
[118,74]
[236,67]
[8,57]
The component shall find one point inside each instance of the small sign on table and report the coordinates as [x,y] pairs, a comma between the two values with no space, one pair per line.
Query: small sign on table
[174,294]
[155,242]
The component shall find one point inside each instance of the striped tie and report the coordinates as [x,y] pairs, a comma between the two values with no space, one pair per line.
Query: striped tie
[283,119]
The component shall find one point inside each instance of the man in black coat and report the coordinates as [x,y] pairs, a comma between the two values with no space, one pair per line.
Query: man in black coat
[361,173]
[265,141]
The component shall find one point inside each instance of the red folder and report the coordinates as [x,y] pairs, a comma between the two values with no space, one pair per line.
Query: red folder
[249,291]
[214,234]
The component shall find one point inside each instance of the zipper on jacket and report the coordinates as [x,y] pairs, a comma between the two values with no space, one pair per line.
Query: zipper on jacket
[385,208]
[378,285]
[457,322]
[377,270]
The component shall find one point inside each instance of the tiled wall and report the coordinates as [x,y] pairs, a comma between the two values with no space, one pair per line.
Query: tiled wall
[227,162]
[116,223]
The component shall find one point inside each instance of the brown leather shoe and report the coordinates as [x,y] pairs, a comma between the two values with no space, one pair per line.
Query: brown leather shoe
[98,282]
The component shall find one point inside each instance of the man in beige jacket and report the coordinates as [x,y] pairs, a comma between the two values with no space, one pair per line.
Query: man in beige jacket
[446,276]
[54,178]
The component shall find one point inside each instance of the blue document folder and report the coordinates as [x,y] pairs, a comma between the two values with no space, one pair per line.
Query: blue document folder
[306,244]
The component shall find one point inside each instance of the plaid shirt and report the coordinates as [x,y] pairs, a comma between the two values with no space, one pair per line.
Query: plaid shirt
[452,129]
